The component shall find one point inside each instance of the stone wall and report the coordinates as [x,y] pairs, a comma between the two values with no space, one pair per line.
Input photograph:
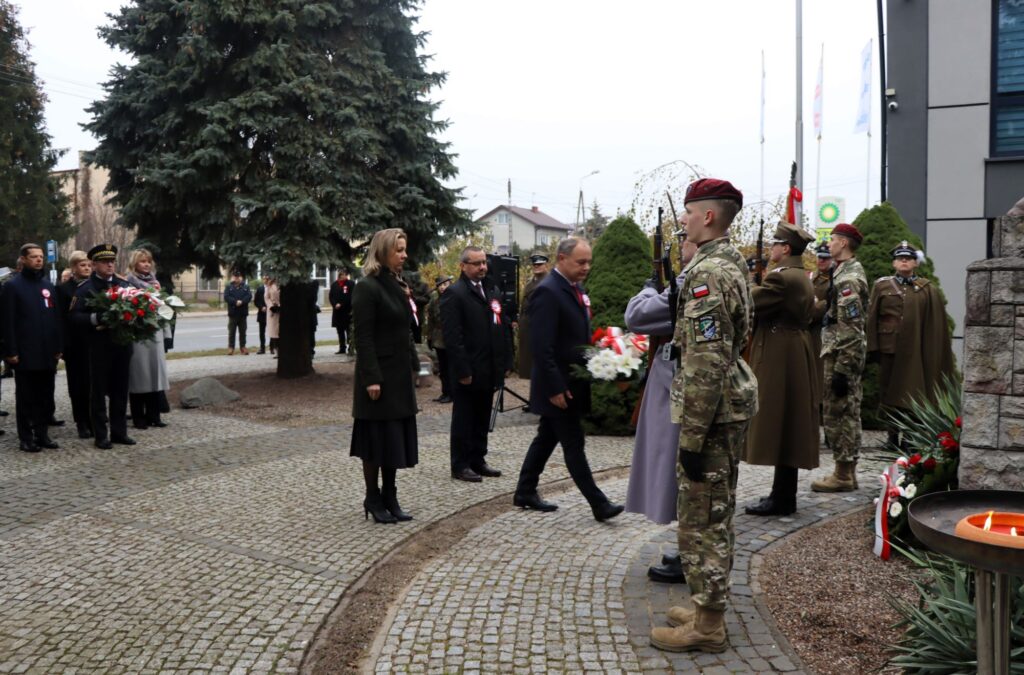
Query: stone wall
[992,442]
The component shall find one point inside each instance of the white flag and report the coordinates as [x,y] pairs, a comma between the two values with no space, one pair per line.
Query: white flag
[818,93]
[863,123]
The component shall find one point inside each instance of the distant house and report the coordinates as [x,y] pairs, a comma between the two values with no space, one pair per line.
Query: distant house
[528,228]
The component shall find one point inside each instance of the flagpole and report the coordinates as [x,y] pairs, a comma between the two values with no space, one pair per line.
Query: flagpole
[798,206]
[820,123]
[762,133]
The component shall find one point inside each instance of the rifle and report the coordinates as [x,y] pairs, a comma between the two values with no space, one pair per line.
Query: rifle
[830,299]
[759,252]
[656,260]
[662,270]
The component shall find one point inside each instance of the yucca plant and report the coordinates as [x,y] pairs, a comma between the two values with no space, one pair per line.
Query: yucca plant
[939,630]
[923,424]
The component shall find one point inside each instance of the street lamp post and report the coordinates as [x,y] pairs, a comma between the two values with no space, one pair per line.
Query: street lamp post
[581,206]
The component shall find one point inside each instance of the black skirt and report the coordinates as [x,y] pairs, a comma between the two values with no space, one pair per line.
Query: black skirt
[391,444]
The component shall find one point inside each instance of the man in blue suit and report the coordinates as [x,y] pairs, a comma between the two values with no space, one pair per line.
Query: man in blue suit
[560,315]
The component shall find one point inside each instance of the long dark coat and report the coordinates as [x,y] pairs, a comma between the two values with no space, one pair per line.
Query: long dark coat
[555,307]
[477,346]
[31,321]
[341,294]
[524,357]
[385,353]
[785,430]
[919,339]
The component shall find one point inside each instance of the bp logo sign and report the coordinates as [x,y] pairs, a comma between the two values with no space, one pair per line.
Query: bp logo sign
[828,213]
[831,211]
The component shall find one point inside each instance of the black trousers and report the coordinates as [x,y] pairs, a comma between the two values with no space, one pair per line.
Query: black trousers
[263,332]
[784,484]
[108,379]
[343,328]
[471,416]
[145,408]
[551,431]
[77,366]
[237,323]
[33,401]
[443,374]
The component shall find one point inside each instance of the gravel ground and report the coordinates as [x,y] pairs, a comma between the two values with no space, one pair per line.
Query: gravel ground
[829,595]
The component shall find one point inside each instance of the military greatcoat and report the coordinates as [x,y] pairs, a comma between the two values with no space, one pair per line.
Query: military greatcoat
[785,430]
[524,359]
[907,325]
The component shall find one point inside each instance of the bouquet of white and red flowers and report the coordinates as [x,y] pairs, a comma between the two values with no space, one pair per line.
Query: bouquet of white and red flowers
[130,314]
[615,355]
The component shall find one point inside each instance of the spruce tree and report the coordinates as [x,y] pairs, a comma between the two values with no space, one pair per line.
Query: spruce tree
[622,262]
[277,131]
[883,229]
[32,207]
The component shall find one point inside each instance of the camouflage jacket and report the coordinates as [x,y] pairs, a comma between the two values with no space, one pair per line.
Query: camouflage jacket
[843,337]
[713,384]
[433,332]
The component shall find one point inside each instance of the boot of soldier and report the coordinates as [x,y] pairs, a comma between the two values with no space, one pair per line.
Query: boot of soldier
[680,616]
[893,439]
[842,480]
[706,634]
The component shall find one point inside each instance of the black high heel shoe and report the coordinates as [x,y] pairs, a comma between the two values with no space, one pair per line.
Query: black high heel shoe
[391,504]
[376,508]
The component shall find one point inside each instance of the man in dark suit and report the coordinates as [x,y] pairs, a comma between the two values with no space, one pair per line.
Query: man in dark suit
[260,303]
[341,304]
[479,345]
[33,342]
[560,316]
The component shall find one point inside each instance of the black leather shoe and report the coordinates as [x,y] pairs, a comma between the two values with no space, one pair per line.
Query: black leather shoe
[533,502]
[606,511]
[772,507]
[487,470]
[467,475]
[122,440]
[670,571]
[4,413]
[84,431]
[443,399]
[159,424]
[142,426]
[54,422]
[103,443]
[46,442]
[29,446]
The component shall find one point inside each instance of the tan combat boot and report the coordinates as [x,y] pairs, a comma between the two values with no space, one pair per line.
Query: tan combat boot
[843,480]
[680,616]
[706,634]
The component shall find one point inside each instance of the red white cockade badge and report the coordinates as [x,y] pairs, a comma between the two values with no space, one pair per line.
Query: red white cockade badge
[496,310]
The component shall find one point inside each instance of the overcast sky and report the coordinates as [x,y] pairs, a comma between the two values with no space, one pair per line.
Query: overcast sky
[545,92]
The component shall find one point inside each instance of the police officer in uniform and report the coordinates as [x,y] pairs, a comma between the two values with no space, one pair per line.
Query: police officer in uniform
[819,282]
[715,396]
[843,351]
[908,334]
[784,433]
[108,362]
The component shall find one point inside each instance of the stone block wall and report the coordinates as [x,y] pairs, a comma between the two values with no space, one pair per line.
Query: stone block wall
[992,442]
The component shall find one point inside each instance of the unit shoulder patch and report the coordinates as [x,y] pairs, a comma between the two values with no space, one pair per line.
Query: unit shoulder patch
[706,329]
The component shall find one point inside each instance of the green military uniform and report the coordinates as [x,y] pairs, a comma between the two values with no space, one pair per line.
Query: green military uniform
[819,282]
[524,357]
[435,336]
[714,398]
[843,347]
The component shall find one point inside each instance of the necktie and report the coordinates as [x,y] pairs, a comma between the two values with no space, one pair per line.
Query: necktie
[480,289]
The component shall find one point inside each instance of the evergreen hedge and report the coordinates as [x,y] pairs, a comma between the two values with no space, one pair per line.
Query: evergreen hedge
[621,265]
[883,229]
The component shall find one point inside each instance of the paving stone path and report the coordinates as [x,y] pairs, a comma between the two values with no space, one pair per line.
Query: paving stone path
[221,545]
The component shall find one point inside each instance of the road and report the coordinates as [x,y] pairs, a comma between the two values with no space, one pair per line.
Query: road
[197,333]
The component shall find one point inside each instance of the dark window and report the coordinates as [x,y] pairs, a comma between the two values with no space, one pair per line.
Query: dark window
[1008,79]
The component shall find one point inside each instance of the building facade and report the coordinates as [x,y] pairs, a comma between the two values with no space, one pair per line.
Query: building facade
[955,137]
[527,229]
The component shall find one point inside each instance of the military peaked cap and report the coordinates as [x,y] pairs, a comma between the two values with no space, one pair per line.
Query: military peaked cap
[904,250]
[102,252]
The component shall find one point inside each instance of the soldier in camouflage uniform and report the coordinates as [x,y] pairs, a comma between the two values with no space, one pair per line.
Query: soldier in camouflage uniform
[714,398]
[843,348]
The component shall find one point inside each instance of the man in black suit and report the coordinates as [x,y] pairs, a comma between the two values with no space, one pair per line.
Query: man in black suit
[560,316]
[479,345]
[260,303]
[341,307]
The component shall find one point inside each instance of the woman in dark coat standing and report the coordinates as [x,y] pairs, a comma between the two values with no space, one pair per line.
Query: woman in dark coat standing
[384,402]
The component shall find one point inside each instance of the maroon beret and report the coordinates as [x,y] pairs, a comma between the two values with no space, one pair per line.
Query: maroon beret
[848,230]
[712,188]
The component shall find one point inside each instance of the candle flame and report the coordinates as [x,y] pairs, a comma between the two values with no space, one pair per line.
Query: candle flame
[988,522]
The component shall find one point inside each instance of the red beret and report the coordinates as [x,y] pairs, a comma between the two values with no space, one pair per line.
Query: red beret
[848,230]
[712,188]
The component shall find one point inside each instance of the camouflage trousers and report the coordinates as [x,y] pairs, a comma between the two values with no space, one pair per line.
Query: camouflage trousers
[841,417]
[706,534]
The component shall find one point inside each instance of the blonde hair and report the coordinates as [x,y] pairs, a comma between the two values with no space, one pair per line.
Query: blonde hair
[77,257]
[381,246]
[141,254]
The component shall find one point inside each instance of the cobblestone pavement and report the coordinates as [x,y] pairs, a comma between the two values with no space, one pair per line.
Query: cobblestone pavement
[222,545]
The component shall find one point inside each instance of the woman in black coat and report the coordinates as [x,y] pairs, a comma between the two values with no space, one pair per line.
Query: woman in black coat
[384,402]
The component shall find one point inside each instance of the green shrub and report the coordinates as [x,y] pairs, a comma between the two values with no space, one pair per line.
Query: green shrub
[883,230]
[621,264]
[611,408]
[939,630]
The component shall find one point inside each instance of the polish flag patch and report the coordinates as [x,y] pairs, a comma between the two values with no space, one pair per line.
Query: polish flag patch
[847,292]
[700,291]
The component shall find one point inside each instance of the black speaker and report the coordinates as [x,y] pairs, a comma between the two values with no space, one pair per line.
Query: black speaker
[503,270]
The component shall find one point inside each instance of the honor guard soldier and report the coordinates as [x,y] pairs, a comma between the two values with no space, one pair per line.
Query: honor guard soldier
[714,398]
[819,282]
[108,362]
[908,334]
[784,433]
[539,267]
[843,349]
